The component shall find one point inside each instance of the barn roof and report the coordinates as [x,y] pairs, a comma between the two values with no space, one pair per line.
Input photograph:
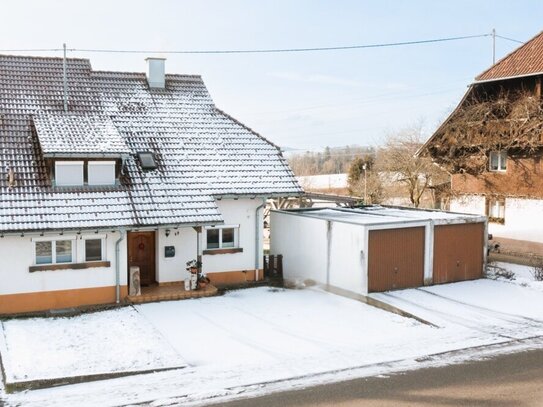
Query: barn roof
[523,61]
[201,152]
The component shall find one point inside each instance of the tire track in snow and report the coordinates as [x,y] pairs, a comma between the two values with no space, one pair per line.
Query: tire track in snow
[492,329]
[500,314]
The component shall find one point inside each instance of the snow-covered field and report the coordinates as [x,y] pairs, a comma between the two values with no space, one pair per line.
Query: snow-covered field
[113,341]
[254,341]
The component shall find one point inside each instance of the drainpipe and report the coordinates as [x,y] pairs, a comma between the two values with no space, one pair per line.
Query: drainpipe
[118,267]
[258,236]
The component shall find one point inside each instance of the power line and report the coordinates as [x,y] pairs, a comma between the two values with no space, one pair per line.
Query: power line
[509,39]
[256,51]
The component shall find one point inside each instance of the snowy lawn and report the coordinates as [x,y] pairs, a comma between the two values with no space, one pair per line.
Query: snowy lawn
[112,341]
[521,275]
[250,341]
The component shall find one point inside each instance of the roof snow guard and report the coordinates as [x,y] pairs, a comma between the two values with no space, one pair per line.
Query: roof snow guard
[76,135]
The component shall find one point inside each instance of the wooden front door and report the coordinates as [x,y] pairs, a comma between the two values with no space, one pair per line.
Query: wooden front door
[141,253]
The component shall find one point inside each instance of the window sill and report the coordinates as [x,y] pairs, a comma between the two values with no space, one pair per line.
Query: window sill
[69,266]
[224,251]
[500,221]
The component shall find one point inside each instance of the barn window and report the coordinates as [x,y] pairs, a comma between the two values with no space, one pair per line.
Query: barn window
[498,160]
[496,210]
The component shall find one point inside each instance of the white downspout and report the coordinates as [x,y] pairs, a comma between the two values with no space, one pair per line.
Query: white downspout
[118,267]
[258,236]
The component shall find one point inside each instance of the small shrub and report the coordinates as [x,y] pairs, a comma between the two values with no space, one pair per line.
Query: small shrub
[537,270]
[493,271]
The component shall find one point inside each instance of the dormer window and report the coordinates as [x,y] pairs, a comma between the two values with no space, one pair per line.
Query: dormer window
[83,173]
[498,160]
[69,173]
[101,173]
[147,160]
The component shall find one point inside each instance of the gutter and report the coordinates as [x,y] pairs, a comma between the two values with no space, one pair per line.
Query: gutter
[118,267]
[258,236]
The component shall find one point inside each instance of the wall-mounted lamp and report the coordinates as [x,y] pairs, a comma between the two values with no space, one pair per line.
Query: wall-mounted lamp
[167,232]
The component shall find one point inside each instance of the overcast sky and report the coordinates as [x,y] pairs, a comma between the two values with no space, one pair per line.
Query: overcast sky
[299,100]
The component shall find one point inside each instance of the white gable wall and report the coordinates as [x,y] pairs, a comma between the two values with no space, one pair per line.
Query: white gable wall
[522,216]
[238,212]
[235,212]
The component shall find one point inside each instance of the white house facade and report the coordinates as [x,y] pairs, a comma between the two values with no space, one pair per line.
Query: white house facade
[117,170]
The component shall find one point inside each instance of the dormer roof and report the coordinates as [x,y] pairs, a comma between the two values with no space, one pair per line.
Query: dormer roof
[78,135]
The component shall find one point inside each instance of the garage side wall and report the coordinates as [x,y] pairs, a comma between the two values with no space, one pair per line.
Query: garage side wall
[302,242]
[347,257]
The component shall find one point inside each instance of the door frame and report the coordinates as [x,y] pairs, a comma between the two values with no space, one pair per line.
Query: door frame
[154,238]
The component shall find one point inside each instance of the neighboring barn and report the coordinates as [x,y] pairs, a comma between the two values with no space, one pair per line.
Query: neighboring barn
[375,249]
[492,145]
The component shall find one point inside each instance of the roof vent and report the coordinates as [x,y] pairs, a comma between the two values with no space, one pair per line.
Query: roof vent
[156,72]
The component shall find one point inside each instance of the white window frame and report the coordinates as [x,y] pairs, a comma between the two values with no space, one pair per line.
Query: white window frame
[101,237]
[72,164]
[496,203]
[220,228]
[53,241]
[91,164]
[502,161]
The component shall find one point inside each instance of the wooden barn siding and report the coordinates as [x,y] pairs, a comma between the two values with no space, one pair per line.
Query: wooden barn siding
[524,177]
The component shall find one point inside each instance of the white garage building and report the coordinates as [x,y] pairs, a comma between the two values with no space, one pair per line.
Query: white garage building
[376,248]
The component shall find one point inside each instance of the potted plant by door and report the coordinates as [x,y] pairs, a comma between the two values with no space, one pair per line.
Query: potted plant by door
[193,266]
[203,281]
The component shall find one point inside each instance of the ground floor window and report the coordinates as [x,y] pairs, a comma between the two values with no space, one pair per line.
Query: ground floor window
[94,249]
[222,237]
[496,210]
[54,251]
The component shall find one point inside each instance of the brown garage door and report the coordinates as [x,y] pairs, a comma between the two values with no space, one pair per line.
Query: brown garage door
[395,259]
[458,252]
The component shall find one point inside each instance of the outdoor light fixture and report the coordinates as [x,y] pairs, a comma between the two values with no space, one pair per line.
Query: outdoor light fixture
[167,232]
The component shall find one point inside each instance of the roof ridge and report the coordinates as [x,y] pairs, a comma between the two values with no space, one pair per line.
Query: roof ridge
[509,55]
[43,57]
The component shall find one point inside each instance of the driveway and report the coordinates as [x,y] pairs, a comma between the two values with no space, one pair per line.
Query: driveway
[494,308]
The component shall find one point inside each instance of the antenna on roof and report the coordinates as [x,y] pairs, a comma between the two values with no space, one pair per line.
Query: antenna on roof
[493,46]
[65,80]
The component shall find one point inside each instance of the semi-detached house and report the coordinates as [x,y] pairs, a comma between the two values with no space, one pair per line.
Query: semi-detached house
[123,169]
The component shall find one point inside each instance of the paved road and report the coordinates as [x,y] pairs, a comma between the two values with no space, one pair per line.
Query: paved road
[507,380]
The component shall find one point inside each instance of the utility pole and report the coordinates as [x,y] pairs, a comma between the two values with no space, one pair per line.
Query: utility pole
[65,80]
[493,46]
[364,167]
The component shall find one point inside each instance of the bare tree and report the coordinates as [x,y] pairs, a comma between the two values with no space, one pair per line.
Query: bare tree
[416,174]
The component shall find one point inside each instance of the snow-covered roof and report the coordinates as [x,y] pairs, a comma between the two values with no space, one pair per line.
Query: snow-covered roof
[67,134]
[378,215]
[201,152]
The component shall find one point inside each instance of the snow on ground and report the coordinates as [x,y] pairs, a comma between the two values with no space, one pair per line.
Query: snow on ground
[103,342]
[522,275]
[257,340]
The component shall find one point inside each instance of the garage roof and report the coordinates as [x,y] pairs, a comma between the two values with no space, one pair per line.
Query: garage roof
[378,215]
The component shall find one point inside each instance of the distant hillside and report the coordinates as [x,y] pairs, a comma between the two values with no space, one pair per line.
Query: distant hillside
[332,160]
